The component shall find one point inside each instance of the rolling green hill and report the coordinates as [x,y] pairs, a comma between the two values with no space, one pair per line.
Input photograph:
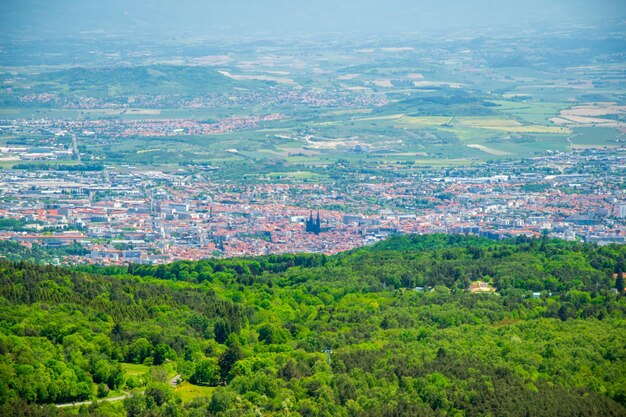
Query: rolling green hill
[138,80]
[386,330]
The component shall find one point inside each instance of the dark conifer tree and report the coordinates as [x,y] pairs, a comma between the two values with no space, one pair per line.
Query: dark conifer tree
[619,279]
[228,359]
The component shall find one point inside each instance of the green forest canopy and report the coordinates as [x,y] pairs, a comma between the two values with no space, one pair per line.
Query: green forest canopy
[385,330]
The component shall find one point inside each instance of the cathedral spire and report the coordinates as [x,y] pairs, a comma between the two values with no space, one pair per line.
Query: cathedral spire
[313,226]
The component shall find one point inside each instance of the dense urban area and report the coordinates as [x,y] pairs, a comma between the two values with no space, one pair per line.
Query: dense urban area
[120,216]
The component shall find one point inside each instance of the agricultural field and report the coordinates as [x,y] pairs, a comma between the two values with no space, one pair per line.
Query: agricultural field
[374,105]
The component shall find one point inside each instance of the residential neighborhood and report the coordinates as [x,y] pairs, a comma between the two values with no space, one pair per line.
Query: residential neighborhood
[122,216]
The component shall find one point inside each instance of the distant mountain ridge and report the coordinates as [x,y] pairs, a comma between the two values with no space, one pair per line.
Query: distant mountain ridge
[140,80]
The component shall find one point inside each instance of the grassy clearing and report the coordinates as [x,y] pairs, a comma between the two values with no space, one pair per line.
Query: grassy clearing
[132,369]
[188,391]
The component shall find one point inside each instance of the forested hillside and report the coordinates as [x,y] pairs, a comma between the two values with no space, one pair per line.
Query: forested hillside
[388,330]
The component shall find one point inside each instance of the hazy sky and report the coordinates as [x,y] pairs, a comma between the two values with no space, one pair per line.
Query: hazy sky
[209,18]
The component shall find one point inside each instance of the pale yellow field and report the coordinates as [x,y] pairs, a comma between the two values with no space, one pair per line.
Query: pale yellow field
[458,125]
[507,125]
[504,125]
[589,114]
[139,152]
[559,121]
[348,77]
[426,120]
[597,109]
[388,117]
[279,80]
[211,60]
[534,129]
[488,150]
[485,122]
[384,83]
[585,121]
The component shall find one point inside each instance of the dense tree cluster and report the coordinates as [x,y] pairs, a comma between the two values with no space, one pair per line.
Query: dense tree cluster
[36,253]
[387,330]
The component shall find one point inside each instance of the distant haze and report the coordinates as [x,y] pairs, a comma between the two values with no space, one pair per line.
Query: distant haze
[161,19]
